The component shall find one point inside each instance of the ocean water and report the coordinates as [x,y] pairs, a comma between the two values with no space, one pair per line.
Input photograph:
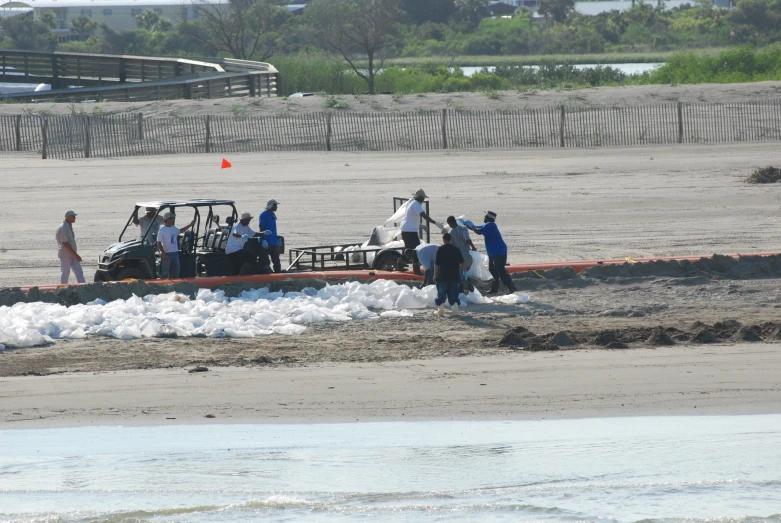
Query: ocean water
[665,469]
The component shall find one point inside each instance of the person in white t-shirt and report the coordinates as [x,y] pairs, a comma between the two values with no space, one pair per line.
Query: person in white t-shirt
[147,222]
[240,233]
[168,244]
[410,225]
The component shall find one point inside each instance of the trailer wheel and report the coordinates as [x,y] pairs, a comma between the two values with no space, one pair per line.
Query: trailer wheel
[130,274]
[387,261]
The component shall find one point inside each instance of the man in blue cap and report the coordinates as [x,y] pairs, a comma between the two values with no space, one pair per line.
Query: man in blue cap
[268,227]
[496,249]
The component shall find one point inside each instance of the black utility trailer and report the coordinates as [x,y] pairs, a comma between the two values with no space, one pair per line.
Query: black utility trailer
[335,258]
[201,248]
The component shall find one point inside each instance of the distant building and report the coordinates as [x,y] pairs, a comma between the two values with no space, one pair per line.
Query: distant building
[119,15]
[296,9]
[501,8]
[595,8]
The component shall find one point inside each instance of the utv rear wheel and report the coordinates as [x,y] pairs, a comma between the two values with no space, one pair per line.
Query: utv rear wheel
[130,274]
[387,261]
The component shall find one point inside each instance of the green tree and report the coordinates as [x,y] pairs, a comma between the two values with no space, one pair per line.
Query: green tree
[25,32]
[243,28]
[471,12]
[152,22]
[84,26]
[356,29]
[556,10]
[763,16]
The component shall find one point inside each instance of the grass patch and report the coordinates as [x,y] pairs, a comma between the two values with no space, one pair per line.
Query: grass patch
[333,102]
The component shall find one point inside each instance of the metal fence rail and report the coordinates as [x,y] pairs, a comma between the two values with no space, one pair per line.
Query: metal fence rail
[81,136]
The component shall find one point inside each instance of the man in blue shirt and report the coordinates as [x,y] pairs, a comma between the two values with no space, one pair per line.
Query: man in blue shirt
[496,250]
[268,227]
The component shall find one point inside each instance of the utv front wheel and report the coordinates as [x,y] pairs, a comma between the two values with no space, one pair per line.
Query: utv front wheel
[130,274]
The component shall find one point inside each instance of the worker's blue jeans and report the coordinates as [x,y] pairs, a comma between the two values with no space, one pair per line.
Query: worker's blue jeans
[448,290]
[428,275]
[170,268]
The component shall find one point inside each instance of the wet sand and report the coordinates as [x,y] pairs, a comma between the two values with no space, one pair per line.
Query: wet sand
[737,379]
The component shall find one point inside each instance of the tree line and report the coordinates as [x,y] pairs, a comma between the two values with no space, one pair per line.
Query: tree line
[364,33]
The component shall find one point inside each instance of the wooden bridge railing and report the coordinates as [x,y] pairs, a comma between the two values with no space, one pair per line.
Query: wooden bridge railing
[61,70]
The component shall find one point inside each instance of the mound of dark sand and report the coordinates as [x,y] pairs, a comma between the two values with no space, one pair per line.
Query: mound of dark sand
[765,175]
[660,336]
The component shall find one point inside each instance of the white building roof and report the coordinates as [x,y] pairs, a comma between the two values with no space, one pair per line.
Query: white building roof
[54,4]
[595,8]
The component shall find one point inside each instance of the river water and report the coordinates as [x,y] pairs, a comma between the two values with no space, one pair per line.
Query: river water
[666,469]
[629,69]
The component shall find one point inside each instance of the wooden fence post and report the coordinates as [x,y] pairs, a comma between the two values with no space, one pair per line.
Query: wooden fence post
[680,122]
[328,131]
[87,144]
[561,126]
[141,126]
[18,132]
[444,128]
[208,133]
[44,132]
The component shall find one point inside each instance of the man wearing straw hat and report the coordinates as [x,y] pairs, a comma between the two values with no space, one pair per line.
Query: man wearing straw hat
[66,250]
[240,233]
[496,249]
[410,226]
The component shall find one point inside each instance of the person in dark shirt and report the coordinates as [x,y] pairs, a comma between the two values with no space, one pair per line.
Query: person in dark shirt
[447,274]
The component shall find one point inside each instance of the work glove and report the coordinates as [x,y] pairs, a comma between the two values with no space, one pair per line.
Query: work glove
[245,236]
[440,226]
[469,224]
[264,243]
[267,232]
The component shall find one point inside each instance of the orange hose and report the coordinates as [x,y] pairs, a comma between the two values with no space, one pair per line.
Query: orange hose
[578,266]
[214,281]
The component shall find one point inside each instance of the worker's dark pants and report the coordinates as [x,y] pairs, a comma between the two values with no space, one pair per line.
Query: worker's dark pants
[273,251]
[496,267]
[238,258]
[411,240]
[448,290]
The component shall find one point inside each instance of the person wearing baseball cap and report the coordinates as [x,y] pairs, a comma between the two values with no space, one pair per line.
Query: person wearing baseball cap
[240,233]
[66,250]
[496,249]
[410,227]
[267,223]
[168,245]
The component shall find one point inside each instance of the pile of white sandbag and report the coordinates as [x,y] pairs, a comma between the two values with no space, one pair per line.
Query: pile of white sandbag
[211,314]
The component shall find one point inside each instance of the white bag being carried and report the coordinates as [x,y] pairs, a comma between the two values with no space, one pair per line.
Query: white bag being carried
[479,269]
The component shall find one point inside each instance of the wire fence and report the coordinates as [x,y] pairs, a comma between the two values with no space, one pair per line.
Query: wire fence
[81,136]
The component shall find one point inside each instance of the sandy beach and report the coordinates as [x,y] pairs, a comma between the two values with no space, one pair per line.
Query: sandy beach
[552,205]
[628,96]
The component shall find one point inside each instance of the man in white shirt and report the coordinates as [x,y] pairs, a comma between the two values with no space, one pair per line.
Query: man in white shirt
[410,225]
[168,244]
[146,222]
[66,250]
[427,254]
[240,233]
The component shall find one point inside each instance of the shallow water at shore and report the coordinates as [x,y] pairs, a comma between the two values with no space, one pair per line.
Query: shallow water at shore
[612,469]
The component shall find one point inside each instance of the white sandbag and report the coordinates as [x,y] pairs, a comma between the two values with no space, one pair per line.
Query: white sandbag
[211,314]
[479,269]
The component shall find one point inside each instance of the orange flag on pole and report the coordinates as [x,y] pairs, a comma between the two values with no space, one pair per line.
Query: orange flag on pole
[225,164]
